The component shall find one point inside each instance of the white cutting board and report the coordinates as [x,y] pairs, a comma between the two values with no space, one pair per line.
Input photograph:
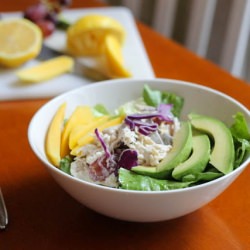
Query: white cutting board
[135,56]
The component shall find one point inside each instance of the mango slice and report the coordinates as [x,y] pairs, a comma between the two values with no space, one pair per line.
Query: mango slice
[53,137]
[112,122]
[88,137]
[107,124]
[81,115]
[46,70]
[114,58]
[81,130]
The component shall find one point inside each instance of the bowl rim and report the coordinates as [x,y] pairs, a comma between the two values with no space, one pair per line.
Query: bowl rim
[121,81]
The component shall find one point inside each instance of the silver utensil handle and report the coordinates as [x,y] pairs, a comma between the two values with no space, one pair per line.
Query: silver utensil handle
[3,212]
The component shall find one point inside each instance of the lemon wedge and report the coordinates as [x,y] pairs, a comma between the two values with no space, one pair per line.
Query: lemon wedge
[20,41]
[46,70]
[86,36]
[114,58]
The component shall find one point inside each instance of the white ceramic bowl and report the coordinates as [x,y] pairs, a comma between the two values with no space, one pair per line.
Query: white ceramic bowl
[141,206]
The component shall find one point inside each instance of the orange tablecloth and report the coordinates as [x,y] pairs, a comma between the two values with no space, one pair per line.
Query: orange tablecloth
[43,216]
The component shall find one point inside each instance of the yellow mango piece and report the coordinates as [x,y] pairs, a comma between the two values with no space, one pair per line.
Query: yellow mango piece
[88,138]
[114,58]
[81,115]
[81,130]
[110,123]
[85,140]
[53,137]
[46,70]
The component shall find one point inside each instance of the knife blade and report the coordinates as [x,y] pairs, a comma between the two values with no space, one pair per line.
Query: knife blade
[88,67]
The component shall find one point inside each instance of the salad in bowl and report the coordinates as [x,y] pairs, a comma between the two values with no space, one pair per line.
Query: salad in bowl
[144,145]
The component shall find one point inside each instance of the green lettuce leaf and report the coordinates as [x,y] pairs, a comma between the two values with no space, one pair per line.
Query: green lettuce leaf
[239,129]
[242,148]
[241,137]
[65,164]
[132,181]
[100,110]
[130,107]
[156,97]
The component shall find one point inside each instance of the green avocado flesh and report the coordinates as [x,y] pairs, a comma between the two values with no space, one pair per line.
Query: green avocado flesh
[222,155]
[198,160]
[182,147]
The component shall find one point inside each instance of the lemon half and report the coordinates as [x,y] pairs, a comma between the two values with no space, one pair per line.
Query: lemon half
[86,36]
[20,41]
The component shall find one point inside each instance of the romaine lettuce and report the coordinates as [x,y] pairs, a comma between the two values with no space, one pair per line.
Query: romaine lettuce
[100,110]
[65,164]
[132,181]
[241,136]
[157,97]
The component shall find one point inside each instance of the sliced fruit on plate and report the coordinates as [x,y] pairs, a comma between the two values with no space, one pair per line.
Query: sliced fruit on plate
[102,38]
[20,41]
[86,36]
[46,70]
[114,58]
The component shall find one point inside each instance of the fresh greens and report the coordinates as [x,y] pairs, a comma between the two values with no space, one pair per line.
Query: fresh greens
[65,164]
[62,23]
[157,97]
[239,129]
[130,107]
[100,110]
[152,97]
[241,136]
[132,181]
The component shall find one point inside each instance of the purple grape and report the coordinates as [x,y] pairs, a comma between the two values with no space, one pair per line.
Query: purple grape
[46,26]
[36,12]
[64,3]
[51,16]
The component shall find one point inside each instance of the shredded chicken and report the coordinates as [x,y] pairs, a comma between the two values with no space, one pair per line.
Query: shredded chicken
[149,152]
[98,164]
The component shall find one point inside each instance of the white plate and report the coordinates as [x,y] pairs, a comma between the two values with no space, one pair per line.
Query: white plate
[135,56]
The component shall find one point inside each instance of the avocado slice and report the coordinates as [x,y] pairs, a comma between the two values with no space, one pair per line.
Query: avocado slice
[222,155]
[182,147]
[198,160]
